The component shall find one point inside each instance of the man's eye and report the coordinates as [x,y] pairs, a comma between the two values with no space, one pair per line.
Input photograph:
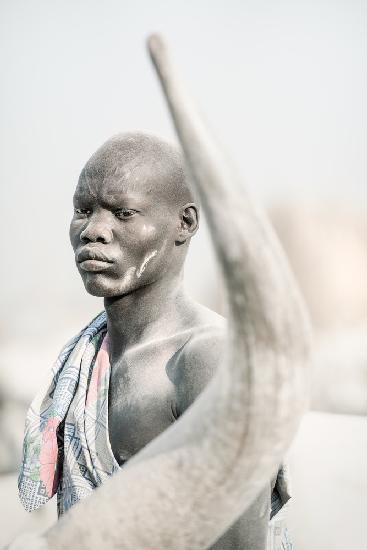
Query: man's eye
[124,213]
[82,211]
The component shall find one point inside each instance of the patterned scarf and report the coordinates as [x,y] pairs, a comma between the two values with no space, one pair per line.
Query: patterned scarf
[66,445]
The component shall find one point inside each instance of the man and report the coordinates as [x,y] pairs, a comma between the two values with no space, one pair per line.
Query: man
[140,364]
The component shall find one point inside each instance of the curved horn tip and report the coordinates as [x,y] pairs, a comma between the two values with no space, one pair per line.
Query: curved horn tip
[156,44]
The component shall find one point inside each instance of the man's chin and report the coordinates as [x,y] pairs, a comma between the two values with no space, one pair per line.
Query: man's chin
[98,292]
[104,287]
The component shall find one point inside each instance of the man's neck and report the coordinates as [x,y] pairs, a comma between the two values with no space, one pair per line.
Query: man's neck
[147,313]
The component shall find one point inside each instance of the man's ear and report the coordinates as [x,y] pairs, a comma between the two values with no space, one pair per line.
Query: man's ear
[189,222]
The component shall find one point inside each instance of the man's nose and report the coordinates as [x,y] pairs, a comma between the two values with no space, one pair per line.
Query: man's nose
[95,231]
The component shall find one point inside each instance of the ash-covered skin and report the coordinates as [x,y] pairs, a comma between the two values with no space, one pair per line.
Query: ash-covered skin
[130,203]
[145,263]
[135,214]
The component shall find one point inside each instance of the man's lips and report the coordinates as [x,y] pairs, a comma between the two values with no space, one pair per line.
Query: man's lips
[94,265]
[93,259]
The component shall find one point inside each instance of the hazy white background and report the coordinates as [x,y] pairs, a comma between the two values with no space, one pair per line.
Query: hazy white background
[284,86]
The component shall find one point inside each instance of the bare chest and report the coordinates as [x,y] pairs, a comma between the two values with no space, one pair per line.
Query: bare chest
[141,400]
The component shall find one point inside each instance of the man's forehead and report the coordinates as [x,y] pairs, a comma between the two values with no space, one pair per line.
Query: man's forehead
[136,164]
[130,180]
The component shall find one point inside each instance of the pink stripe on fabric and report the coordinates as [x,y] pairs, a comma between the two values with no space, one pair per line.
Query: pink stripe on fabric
[101,365]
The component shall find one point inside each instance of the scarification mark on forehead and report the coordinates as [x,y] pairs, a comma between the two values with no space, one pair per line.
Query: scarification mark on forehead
[143,180]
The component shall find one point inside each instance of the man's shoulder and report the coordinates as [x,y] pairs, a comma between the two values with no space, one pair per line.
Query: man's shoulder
[205,321]
[204,345]
[207,340]
[200,356]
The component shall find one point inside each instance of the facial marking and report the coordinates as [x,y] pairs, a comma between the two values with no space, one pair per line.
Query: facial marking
[148,229]
[127,279]
[147,258]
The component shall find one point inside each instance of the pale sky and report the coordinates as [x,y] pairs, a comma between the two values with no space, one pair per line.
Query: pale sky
[283,84]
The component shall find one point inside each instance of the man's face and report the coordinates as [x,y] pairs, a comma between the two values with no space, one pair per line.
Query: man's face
[123,237]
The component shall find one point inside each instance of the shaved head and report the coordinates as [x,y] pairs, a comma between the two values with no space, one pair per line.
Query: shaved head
[134,215]
[141,162]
